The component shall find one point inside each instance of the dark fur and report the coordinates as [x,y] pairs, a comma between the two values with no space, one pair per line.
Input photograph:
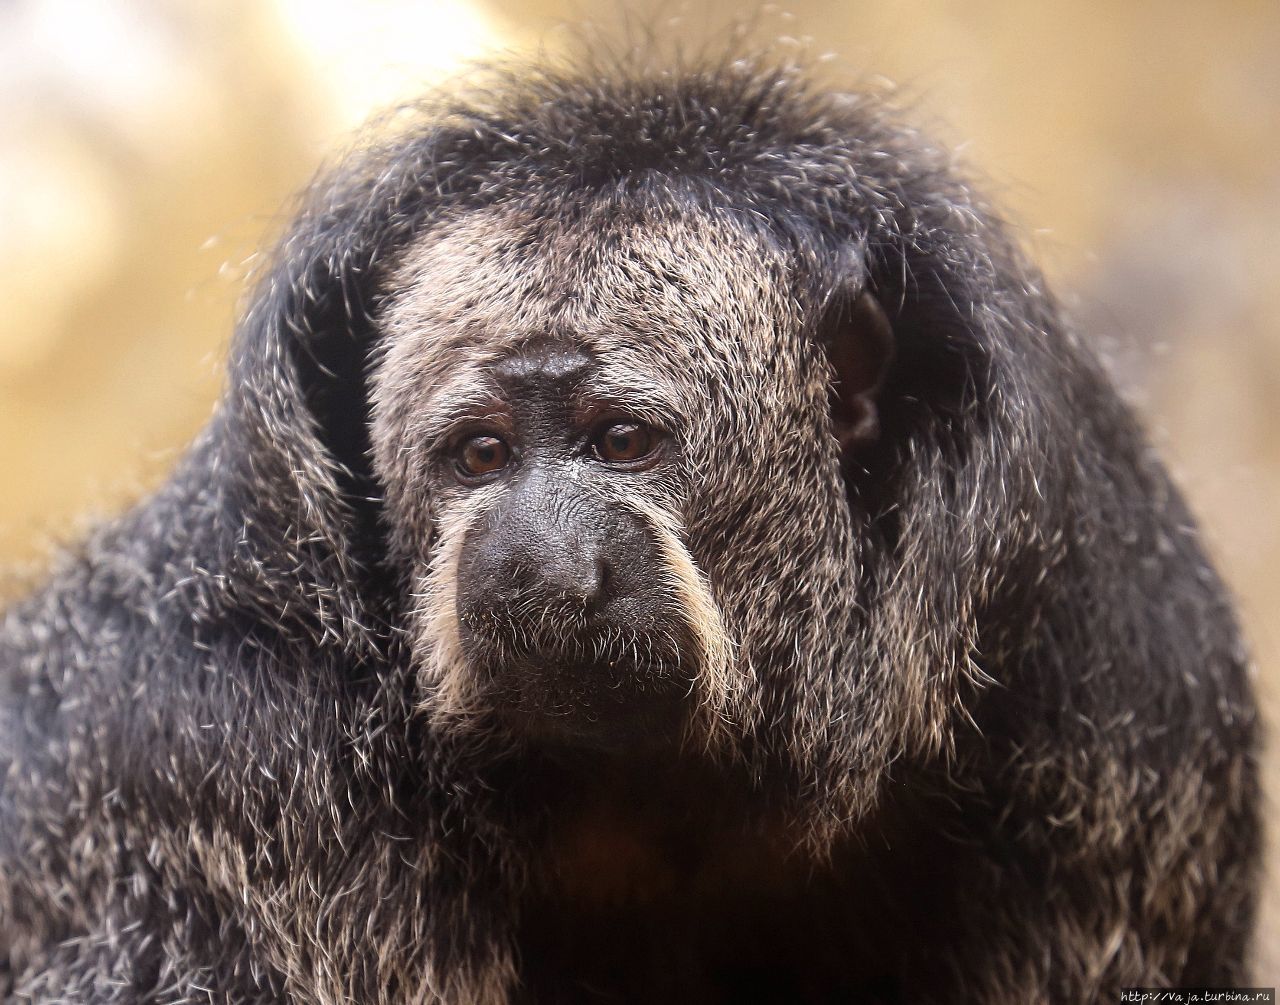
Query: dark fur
[991,740]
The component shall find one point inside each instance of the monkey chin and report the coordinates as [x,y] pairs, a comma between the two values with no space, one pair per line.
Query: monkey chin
[573,705]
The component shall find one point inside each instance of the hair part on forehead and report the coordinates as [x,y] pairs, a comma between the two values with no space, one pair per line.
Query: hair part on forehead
[646,217]
[490,278]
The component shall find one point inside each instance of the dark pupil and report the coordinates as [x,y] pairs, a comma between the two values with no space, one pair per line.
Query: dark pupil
[484,454]
[625,442]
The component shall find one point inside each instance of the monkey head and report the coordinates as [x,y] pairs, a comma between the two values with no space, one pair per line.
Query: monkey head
[602,430]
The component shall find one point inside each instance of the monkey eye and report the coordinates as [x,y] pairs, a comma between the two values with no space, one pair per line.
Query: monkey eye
[482,455]
[623,442]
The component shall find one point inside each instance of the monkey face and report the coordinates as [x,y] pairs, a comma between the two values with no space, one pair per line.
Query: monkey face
[591,427]
[561,602]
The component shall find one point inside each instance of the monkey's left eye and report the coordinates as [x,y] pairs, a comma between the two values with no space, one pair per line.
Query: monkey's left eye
[623,442]
[482,455]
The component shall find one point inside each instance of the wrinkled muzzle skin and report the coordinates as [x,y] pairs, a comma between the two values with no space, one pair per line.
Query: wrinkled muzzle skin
[695,635]
[569,618]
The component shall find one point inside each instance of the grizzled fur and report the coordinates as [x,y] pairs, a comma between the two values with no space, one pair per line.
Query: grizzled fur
[974,722]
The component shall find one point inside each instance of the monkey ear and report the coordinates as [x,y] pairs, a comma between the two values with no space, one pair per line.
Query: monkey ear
[858,340]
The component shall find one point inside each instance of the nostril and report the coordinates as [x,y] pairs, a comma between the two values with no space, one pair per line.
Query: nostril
[584,580]
[601,583]
[578,576]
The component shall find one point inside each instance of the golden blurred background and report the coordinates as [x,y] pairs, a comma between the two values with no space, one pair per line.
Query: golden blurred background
[148,147]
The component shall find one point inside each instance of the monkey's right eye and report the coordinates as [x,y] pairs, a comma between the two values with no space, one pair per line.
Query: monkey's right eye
[482,455]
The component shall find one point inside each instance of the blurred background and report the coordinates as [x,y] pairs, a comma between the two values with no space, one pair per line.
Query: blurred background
[148,147]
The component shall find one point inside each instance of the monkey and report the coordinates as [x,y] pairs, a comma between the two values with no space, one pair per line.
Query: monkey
[660,540]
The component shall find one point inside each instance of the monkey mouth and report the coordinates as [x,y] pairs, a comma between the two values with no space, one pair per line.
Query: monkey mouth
[587,692]
[644,722]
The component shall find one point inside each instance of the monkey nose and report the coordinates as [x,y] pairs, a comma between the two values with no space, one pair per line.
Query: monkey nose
[578,575]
